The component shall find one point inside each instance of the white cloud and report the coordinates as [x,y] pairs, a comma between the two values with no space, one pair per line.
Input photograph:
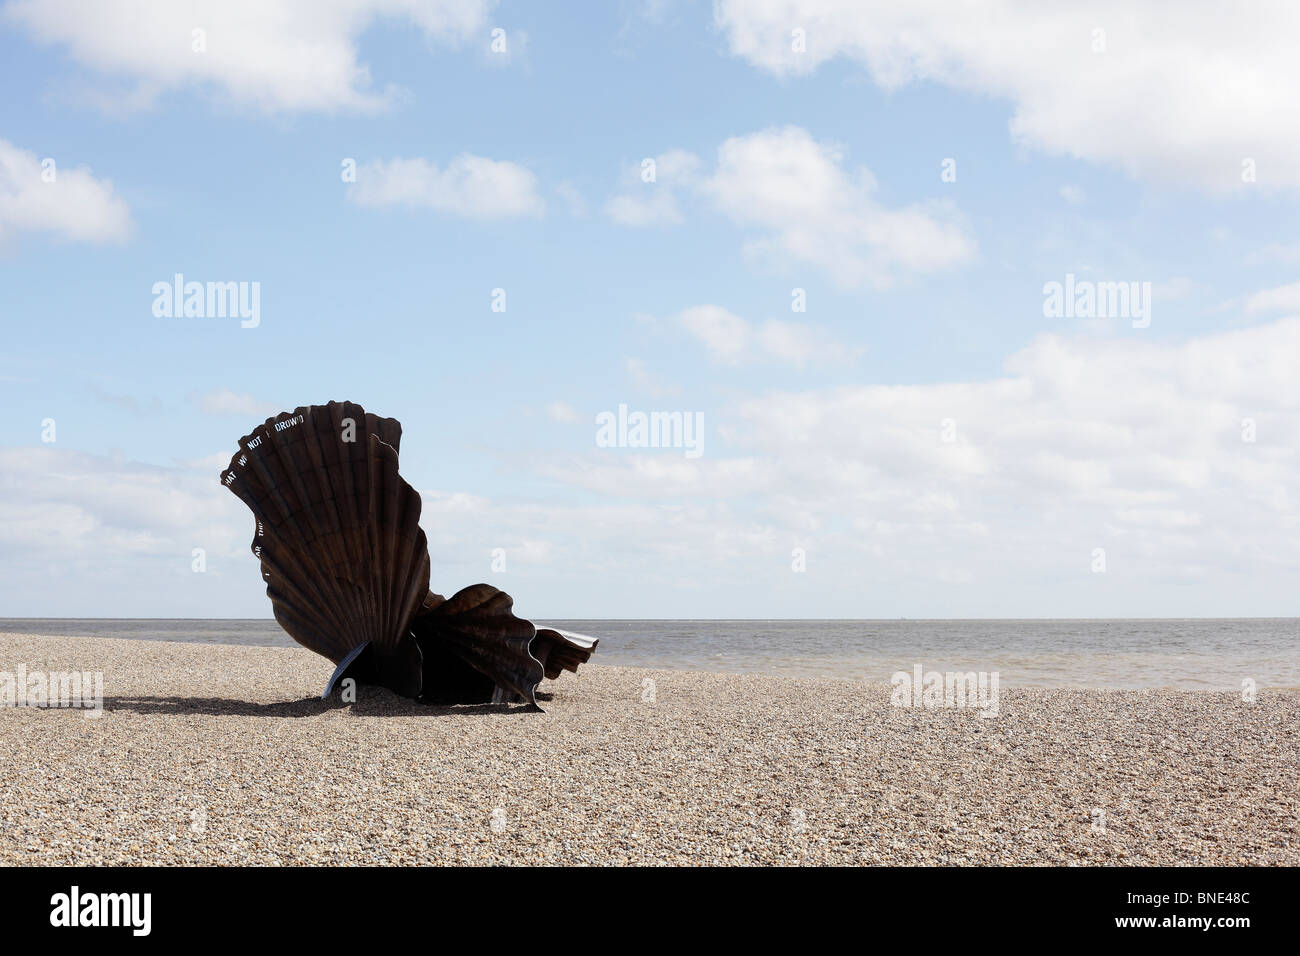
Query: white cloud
[647,381]
[657,476]
[1135,447]
[1285,298]
[1225,84]
[212,464]
[1177,287]
[676,167]
[273,54]
[1288,253]
[223,401]
[75,205]
[123,531]
[1130,445]
[726,335]
[277,55]
[1074,195]
[813,210]
[804,207]
[1083,432]
[561,412]
[733,340]
[471,187]
[654,201]
[573,199]
[136,405]
[553,546]
[60,501]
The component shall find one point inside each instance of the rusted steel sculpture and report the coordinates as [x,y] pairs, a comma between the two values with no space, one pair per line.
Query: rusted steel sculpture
[347,567]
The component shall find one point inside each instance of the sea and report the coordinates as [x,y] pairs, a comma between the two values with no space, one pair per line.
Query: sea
[1193,654]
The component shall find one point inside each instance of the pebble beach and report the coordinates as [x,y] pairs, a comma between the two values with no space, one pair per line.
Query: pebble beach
[225,755]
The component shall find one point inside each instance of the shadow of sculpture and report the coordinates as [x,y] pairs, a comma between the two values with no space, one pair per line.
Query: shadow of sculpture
[371,702]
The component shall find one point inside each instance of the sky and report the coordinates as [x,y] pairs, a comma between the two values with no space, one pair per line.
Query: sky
[827,232]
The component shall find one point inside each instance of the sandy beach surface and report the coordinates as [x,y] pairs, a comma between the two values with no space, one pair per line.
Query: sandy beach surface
[226,755]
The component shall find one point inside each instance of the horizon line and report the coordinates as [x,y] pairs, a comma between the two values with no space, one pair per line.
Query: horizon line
[564,617]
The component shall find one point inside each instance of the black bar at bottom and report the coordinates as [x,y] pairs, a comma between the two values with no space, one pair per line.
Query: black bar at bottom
[298,905]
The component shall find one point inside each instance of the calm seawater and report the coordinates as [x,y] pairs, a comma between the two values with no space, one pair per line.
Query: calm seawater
[1191,654]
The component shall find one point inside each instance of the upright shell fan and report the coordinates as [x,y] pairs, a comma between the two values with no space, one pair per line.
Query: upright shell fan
[347,567]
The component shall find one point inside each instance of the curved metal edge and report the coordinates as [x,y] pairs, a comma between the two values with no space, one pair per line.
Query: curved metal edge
[532,691]
[583,641]
[577,640]
[342,669]
[419,656]
[504,695]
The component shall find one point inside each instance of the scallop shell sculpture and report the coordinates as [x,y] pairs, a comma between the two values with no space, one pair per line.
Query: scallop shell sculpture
[347,567]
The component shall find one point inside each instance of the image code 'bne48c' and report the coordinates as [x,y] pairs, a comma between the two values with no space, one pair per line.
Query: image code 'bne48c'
[346,566]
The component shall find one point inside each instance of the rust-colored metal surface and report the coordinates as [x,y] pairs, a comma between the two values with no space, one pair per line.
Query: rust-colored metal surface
[346,567]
